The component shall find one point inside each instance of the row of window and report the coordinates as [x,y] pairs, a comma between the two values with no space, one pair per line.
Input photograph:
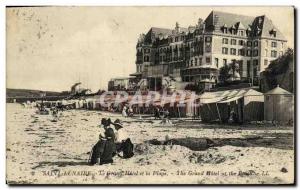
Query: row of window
[240,42]
[226,41]
[182,38]
[234,31]
[240,52]
[192,63]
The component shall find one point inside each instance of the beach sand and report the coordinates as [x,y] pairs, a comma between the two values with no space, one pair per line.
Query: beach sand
[43,152]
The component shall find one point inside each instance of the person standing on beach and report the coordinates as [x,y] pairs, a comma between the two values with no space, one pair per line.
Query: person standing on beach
[124,111]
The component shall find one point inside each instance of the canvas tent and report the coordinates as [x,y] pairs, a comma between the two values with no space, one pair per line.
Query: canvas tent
[247,104]
[279,105]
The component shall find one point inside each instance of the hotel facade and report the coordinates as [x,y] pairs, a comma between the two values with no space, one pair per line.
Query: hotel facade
[173,58]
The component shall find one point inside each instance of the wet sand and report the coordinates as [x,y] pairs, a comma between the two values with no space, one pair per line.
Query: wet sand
[43,152]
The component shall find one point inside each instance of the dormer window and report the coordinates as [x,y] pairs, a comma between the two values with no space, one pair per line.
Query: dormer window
[258,31]
[225,29]
[248,32]
[273,32]
[241,32]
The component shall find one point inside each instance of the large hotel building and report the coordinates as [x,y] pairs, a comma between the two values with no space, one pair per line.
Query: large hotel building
[180,56]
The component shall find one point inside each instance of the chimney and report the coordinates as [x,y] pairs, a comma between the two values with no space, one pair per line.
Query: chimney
[177,27]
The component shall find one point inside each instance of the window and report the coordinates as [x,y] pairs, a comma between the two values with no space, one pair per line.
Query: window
[274,44]
[233,42]
[225,41]
[282,45]
[241,64]
[255,67]
[146,58]
[265,62]
[217,62]
[207,59]
[224,61]
[233,51]
[248,68]
[200,61]
[255,52]
[266,53]
[208,39]
[281,53]
[242,33]
[225,50]
[233,31]
[191,63]
[196,61]
[225,30]
[241,52]
[176,39]
[241,42]
[249,43]
[255,43]
[207,47]
[248,52]
[273,53]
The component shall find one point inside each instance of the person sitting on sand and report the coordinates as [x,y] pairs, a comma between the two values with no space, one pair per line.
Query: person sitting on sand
[103,127]
[123,142]
[105,149]
[106,124]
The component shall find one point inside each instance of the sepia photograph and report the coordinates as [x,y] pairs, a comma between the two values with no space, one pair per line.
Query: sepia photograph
[148,95]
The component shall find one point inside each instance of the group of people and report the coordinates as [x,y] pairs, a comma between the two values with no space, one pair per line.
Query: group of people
[113,140]
[127,111]
[158,114]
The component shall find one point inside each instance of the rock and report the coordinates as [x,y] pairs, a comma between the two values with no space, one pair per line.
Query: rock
[284,170]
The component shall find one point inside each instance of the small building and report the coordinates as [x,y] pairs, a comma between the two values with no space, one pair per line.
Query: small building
[279,105]
[121,83]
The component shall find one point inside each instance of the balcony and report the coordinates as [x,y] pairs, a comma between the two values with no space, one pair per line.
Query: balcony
[156,71]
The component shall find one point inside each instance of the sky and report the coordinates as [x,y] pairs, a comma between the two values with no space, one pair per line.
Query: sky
[51,48]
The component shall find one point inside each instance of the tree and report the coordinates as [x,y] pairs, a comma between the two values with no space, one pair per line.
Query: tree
[278,66]
[224,73]
[228,71]
[281,64]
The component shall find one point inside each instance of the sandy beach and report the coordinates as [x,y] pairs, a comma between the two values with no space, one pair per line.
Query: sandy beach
[43,152]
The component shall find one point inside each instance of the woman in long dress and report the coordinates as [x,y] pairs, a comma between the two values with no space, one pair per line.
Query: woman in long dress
[124,113]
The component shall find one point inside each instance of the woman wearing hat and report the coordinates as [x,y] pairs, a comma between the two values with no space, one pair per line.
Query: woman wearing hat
[123,142]
[104,150]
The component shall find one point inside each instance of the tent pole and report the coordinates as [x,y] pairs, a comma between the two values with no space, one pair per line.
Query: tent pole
[178,112]
[219,113]
[140,112]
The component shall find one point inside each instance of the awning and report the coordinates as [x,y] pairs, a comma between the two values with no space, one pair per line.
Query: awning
[231,99]
[135,74]
[210,100]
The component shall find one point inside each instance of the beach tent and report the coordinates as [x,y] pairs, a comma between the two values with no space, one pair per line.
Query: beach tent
[247,104]
[279,105]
